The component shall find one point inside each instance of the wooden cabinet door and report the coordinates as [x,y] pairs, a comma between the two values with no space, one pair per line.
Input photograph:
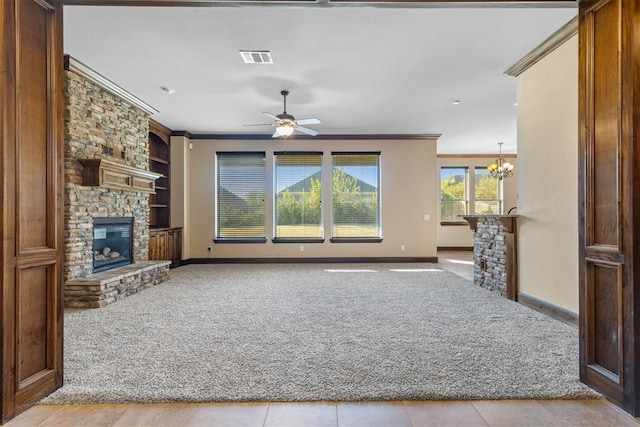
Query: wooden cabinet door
[174,248]
[32,204]
[158,245]
[610,199]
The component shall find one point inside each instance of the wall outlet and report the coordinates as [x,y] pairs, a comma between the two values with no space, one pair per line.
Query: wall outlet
[426,217]
[301,248]
[401,248]
[208,248]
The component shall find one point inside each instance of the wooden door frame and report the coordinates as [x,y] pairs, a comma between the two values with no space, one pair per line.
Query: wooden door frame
[31,267]
[386,3]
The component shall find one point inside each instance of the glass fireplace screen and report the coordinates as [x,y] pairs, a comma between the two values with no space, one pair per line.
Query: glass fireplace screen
[112,242]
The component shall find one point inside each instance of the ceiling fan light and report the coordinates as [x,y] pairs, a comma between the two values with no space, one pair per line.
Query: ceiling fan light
[284,130]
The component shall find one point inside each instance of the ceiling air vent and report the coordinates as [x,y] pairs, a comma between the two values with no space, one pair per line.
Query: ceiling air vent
[256,57]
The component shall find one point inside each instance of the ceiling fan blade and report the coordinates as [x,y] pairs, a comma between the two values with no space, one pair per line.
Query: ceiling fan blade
[308,121]
[260,124]
[307,130]
[271,116]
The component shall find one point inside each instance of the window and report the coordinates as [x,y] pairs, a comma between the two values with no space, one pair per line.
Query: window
[487,194]
[356,197]
[241,192]
[298,206]
[454,198]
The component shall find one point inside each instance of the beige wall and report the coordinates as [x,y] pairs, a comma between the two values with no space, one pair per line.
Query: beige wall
[462,236]
[547,182]
[408,192]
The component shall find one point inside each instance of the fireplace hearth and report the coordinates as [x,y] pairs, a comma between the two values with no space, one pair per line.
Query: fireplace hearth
[112,242]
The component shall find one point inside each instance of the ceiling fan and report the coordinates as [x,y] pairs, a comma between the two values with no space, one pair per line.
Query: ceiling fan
[286,124]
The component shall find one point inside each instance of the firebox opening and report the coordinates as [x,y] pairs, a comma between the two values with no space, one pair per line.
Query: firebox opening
[112,242]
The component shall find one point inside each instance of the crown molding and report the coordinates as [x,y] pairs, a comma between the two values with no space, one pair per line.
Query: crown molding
[567,31]
[77,67]
[268,137]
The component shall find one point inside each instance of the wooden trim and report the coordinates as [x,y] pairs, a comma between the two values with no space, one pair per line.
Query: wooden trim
[356,153]
[439,1]
[265,137]
[327,260]
[455,248]
[241,240]
[355,240]
[298,153]
[454,223]
[331,3]
[556,40]
[549,309]
[57,159]
[159,129]
[103,173]
[77,67]
[475,156]
[472,221]
[296,240]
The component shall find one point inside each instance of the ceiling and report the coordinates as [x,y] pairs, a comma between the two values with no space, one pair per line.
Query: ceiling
[361,70]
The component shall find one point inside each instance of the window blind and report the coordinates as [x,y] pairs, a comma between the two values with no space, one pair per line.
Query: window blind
[241,192]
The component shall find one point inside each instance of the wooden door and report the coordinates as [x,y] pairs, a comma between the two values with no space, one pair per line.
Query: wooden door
[610,199]
[32,205]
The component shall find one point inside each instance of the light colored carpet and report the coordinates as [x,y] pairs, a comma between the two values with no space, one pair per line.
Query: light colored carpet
[316,332]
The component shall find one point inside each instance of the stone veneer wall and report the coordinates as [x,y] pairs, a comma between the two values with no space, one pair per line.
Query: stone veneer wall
[95,119]
[490,255]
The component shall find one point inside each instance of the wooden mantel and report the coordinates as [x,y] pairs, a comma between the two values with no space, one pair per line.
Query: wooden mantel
[108,174]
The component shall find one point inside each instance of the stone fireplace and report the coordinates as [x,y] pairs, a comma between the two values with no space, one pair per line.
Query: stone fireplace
[103,123]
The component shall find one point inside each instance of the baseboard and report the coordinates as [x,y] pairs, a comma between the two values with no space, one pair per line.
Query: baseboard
[373,260]
[549,309]
[455,248]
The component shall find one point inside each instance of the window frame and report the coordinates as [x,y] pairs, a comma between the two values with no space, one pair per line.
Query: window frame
[499,184]
[378,210]
[218,220]
[301,239]
[466,200]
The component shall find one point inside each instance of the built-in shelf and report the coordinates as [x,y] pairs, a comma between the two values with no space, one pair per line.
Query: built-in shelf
[159,160]
[108,174]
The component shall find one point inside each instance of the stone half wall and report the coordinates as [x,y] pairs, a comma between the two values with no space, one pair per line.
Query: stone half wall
[99,124]
[490,255]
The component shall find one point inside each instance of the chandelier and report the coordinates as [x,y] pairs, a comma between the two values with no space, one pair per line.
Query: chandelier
[501,168]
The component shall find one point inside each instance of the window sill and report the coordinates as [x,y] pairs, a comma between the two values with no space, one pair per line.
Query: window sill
[356,240]
[297,240]
[240,240]
[456,223]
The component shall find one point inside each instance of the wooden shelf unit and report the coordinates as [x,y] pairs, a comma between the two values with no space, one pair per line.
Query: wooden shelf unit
[165,242]
[160,163]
